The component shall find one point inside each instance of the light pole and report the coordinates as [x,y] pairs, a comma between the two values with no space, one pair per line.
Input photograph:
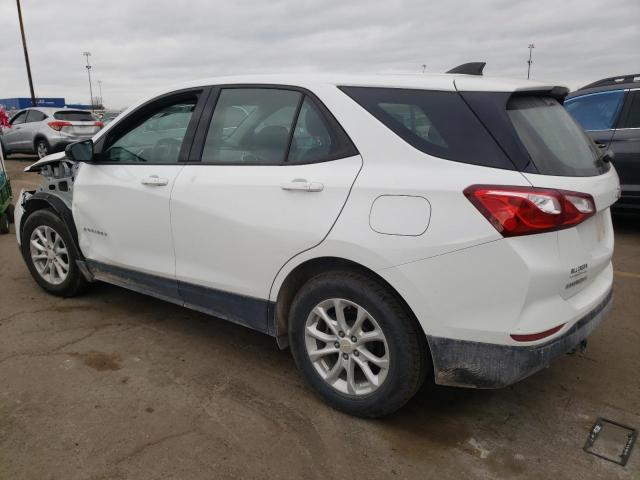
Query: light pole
[100,88]
[88,54]
[26,55]
[424,67]
[531,47]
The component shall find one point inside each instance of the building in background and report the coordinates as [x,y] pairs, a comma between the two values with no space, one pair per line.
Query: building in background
[18,103]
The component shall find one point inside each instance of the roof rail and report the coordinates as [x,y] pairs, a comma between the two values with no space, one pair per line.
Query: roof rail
[471,68]
[635,77]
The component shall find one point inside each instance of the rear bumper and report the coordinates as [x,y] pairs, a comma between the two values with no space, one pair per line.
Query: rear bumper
[485,365]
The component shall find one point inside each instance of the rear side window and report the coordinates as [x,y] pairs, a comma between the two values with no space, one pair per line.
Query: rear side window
[596,111]
[555,142]
[434,122]
[74,116]
[632,119]
[35,116]
[251,126]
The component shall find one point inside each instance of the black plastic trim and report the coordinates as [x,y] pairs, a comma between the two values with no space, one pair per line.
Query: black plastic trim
[243,310]
[465,363]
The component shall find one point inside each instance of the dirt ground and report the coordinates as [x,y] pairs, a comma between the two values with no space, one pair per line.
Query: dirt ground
[116,385]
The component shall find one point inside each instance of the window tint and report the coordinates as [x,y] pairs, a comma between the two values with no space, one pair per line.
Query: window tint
[555,142]
[436,123]
[19,118]
[35,116]
[313,140]
[596,111]
[74,116]
[633,116]
[157,138]
[251,126]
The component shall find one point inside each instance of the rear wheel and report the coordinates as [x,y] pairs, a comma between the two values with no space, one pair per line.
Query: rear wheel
[42,148]
[4,223]
[48,250]
[356,344]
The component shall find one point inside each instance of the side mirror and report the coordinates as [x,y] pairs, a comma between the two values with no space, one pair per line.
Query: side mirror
[608,155]
[80,151]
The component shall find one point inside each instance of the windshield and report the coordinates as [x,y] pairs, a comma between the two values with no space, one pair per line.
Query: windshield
[556,144]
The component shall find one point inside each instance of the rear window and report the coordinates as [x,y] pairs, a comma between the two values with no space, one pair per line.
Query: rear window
[436,123]
[556,144]
[74,116]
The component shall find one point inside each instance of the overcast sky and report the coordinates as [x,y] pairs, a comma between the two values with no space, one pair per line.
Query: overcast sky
[138,46]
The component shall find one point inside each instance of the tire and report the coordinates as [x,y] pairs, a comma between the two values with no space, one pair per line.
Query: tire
[11,213]
[49,278]
[4,223]
[42,148]
[404,346]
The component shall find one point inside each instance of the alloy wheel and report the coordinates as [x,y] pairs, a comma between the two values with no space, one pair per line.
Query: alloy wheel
[42,150]
[347,347]
[49,254]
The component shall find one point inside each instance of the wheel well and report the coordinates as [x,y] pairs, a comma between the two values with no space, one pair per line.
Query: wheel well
[39,137]
[307,270]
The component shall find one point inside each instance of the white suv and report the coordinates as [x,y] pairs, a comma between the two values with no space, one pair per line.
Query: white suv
[386,228]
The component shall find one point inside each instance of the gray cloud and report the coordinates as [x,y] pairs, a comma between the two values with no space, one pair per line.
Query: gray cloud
[140,45]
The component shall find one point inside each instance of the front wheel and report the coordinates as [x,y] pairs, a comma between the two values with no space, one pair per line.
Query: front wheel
[356,344]
[42,148]
[48,250]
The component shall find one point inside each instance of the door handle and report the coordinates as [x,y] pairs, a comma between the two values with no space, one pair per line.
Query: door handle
[154,181]
[300,184]
[600,144]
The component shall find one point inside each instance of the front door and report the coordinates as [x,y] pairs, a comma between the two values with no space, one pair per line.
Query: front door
[13,137]
[121,201]
[272,173]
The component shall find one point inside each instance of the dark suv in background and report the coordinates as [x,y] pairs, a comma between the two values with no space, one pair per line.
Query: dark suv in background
[609,110]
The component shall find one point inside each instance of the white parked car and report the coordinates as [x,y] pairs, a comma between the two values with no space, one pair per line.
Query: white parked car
[386,228]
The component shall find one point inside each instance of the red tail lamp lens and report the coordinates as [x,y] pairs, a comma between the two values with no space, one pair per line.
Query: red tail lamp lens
[515,211]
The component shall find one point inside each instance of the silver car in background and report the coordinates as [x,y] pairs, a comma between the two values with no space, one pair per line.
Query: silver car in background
[42,130]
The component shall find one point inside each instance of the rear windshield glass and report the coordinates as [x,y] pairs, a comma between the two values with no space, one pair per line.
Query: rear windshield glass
[556,144]
[74,116]
[436,123]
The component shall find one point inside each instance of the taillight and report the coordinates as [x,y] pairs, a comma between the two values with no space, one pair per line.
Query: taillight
[57,125]
[99,124]
[517,211]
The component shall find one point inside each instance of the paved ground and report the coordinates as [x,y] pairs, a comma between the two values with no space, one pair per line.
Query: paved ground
[115,385]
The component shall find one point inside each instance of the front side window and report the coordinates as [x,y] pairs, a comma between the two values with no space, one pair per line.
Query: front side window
[596,111]
[19,118]
[251,126]
[156,138]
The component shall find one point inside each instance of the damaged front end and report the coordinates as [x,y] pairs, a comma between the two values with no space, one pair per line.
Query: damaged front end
[55,191]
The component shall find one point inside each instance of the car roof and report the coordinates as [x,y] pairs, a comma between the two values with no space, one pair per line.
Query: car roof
[621,82]
[52,110]
[446,82]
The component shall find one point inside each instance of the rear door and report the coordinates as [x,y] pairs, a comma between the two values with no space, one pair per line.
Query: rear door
[269,175]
